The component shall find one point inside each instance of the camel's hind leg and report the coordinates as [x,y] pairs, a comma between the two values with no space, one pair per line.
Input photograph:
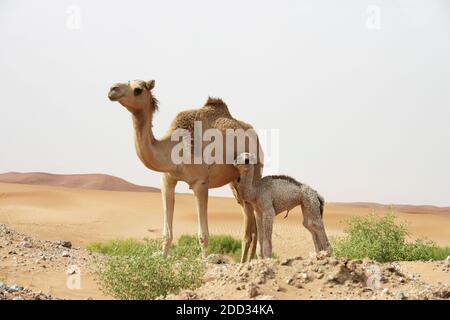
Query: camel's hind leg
[312,220]
[265,228]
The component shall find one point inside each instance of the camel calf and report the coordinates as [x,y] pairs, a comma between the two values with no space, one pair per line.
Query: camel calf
[272,195]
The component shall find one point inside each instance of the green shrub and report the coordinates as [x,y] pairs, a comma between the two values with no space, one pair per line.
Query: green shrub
[116,247]
[137,270]
[381,239]
[222,244]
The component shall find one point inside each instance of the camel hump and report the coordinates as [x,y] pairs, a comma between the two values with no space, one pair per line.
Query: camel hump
[215,102]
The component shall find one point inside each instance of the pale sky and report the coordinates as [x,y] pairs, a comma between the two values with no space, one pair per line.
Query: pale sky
[362,106]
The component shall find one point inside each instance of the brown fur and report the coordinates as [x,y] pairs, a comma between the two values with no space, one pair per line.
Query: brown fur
[214,114]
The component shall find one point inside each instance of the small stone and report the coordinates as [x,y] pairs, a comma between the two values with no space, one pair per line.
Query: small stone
[2,286]
[253,291]
[400,295]
[65,254]
[217,259]
[15,288]
[65,244]
[19,298]
[26,244]
[295,282]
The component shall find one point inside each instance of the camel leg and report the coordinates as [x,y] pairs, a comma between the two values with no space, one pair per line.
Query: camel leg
[249,240]
[201,199]
[268,216]
[313,222]
[260,233]
[168,197]
[250,232]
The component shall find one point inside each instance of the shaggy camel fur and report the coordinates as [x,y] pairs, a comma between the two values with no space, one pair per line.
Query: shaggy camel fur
[272,195]
[156,154]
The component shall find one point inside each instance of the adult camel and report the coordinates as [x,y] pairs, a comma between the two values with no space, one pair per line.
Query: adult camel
[156,154]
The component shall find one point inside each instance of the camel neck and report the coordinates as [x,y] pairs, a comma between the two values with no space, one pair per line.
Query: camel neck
[153,153]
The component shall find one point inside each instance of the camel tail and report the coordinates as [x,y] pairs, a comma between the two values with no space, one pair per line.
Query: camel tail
[321,204]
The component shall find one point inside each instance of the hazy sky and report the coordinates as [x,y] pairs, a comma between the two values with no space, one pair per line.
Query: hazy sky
[362,104]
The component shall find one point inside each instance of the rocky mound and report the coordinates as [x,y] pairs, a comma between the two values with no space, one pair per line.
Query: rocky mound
[83,181]
[16,292]
[20,251]
[316,277]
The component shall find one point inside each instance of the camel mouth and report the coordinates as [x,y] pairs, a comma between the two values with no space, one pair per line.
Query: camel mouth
[113,96]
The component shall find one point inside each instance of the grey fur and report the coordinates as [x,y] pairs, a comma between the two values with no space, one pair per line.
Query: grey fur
[272,195]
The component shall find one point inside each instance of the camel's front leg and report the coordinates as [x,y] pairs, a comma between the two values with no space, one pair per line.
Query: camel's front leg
[249,240]
[201,197]
[168,197]
[250,233]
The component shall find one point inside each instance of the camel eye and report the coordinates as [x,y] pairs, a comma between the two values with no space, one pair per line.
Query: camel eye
[137,91]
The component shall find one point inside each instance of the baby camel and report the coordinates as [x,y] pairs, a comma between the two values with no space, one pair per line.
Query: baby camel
[272,195]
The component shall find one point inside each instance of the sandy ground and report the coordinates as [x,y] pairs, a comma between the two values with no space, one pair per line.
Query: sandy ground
[83,216]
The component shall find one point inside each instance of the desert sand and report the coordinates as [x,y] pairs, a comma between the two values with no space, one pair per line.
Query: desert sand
[82,216]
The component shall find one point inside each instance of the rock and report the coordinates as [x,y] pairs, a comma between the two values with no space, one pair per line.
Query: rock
[295,282]
[2,286]
[253,291]
[217,259]
[65,244]
[447,261]
[288,262]
[339,274]
[26,243]
[401,296]
[65,254]
[15,288]
[19,298]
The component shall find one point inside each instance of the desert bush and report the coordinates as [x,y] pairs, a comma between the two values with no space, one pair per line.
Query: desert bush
[222,244]
[137,270]
[382,239]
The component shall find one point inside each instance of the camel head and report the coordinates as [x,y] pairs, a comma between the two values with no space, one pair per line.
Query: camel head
[134,95]
[244,160]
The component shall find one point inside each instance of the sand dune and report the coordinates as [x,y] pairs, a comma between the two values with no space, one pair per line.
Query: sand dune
[82,181]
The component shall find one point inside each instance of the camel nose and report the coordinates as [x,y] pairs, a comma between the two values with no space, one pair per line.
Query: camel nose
[113,93]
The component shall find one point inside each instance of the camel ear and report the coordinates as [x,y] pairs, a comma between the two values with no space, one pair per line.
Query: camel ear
[150,84]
